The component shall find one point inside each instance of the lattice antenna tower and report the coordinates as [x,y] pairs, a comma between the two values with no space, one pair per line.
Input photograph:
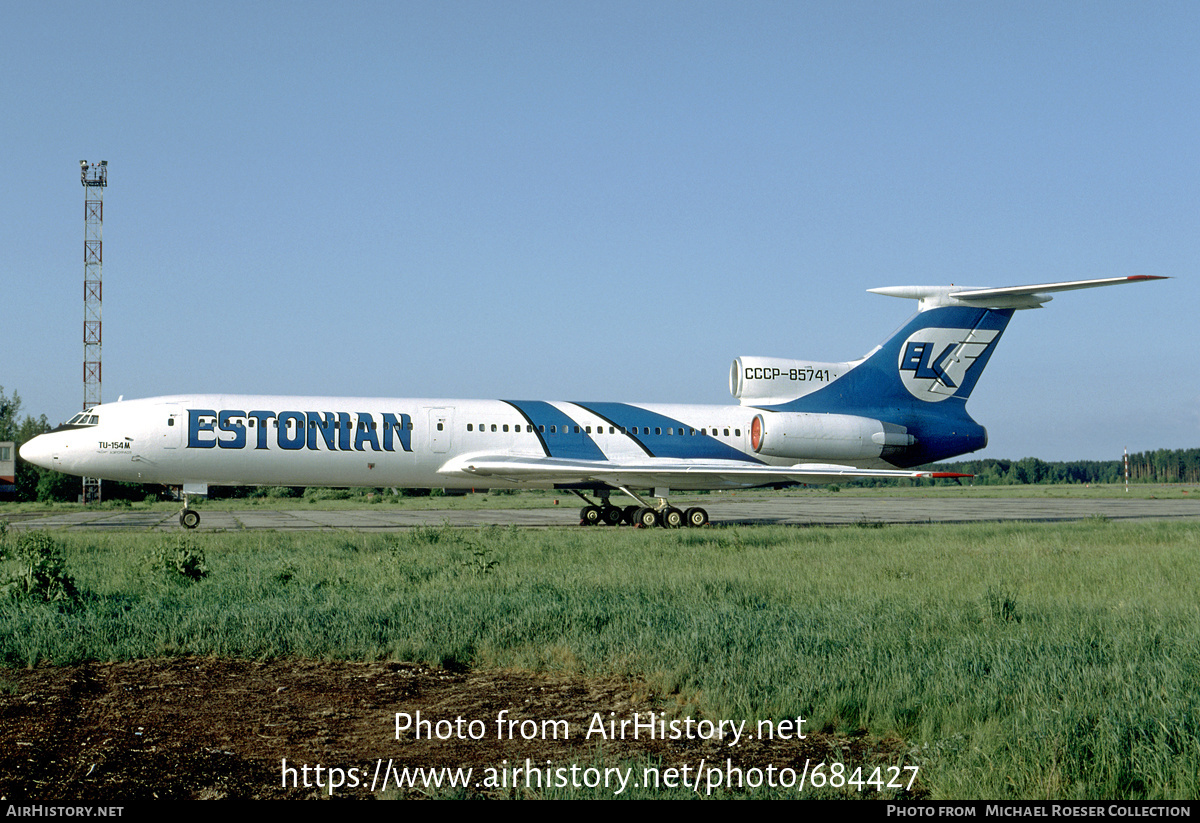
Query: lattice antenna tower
[95,180]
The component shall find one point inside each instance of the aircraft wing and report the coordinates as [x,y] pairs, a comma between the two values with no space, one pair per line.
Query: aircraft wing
[679,474]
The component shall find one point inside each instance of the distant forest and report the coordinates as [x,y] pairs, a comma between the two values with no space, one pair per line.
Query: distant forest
[1161,466]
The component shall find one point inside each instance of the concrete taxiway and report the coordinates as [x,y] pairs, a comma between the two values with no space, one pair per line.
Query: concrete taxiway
[780,511]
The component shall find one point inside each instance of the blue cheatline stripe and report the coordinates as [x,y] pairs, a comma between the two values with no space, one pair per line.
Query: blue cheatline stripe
[567,440]
[648,423]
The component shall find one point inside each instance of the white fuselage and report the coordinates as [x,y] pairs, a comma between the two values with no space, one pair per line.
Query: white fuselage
[416,443]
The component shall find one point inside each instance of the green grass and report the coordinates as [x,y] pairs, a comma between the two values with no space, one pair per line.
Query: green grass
[1015,660]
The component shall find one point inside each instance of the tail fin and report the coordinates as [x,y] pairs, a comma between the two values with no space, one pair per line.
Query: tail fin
[919,379]
[937,356]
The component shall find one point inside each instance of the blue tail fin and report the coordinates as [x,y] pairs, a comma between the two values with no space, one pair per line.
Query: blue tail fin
[920,379]
[935,358]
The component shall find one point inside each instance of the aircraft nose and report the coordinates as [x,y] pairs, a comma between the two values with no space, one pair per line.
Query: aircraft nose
[37,451]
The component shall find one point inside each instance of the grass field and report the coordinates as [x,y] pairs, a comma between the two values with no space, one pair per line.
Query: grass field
[1014,660]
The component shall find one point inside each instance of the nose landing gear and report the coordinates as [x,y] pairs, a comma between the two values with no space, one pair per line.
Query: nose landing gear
[189,518]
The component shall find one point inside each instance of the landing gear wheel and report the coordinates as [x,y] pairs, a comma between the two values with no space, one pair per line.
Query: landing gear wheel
[189,518]
[696,517]
[646,518]
[590,516]
[629,515]
[672,518]
[611,516]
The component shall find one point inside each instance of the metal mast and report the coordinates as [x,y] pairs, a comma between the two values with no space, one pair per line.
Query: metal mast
[94,179]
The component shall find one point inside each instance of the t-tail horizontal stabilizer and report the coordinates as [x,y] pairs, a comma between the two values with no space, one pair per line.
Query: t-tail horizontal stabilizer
[1009,297]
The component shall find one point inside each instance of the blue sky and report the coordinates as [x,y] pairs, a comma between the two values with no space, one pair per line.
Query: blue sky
[604,201]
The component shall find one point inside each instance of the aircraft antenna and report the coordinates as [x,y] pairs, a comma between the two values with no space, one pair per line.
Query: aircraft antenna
[95,180]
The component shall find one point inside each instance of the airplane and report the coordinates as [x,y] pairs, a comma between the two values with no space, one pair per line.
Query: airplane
[900,406]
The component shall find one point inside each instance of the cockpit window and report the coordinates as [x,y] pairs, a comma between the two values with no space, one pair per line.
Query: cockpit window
[84,418]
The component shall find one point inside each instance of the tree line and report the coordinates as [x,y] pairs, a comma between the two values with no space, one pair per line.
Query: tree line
[1158,466]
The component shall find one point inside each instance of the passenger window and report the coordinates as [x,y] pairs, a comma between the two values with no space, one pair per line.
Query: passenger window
[439,426]
[468,427]
[506,427]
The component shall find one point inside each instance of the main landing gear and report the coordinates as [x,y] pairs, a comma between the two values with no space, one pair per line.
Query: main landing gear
[646,515]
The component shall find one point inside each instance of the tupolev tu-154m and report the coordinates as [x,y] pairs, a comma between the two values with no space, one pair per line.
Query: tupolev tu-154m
[797,421]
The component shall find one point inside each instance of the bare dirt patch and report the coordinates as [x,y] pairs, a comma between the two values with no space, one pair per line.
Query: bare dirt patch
[190,728]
